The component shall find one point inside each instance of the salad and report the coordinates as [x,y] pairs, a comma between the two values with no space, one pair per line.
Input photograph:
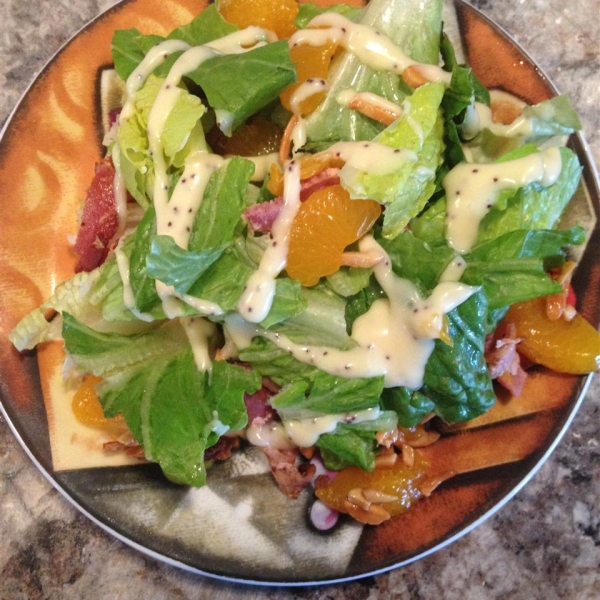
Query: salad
[308,236]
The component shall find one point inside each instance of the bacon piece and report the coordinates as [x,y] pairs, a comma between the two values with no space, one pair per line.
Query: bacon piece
[131,448]
[258,409]
[99,221]
[326,178]
[503,360]
[290,477]
[261,217]
[222,449]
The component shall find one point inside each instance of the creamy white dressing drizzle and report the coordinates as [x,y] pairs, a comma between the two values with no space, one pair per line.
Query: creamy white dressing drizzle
[371,157]
[155,57]
[394,337]
[305,90]
[479,117]
[370,46]
[262,164]
[257,297]
[472,189]
[304,433]
[453,272]
[200,332]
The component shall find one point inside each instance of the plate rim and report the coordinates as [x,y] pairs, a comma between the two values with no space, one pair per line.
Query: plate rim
[498,501]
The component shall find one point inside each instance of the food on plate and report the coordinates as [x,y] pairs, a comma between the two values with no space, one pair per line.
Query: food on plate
[307,235]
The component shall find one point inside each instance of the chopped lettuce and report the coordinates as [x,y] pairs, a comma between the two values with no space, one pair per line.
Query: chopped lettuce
[308,11]
[129,46]
[181,137]
[142,374]
[239,85]
[412,25]
[327,394]
[406,190]
[355,444]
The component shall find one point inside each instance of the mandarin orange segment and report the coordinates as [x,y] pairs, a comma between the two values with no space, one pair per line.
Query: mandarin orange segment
[561,345]
[399,481]
[86,406]
[312,62]
[325,224]
[275,15]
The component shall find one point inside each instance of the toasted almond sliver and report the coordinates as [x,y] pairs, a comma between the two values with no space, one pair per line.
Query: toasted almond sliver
[413,77]
[408,455]
[308,453]
[361,260]
[374,516]
[377,496]
[386,438]
[385,116]
[356,497]
[386,459]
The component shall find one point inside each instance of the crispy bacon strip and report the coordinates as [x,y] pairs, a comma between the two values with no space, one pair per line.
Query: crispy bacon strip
[290,477]
[503,360]
[99,220]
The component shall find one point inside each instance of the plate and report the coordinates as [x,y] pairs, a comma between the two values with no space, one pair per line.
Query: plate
[240,527]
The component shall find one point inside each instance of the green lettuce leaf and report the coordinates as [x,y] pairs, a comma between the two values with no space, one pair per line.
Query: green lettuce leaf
[354,444]
[456,377]
[177,267]
[129,46]
[327,394]
[534,206]
[413,25]
[239,85]
[308,11]
[410,406]
[512,268]
[407,189]
[143,373]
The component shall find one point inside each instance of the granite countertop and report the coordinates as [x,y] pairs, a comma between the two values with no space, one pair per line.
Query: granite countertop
[544,544]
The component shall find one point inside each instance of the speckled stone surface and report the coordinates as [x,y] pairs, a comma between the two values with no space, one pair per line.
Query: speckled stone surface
[545,544]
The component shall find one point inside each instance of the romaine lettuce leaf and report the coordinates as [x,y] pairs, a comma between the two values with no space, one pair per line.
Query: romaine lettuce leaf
[410,406]
[320,323]
[308,11]
[406,190]
[512,268]
[141,376]
[177,267]
[129,46]
[182,136]
[456,377]
[325,395]
[535,206]
[355,444]
[239,85]
[414,26]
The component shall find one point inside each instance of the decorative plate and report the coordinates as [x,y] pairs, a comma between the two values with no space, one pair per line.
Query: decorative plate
[239,527]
